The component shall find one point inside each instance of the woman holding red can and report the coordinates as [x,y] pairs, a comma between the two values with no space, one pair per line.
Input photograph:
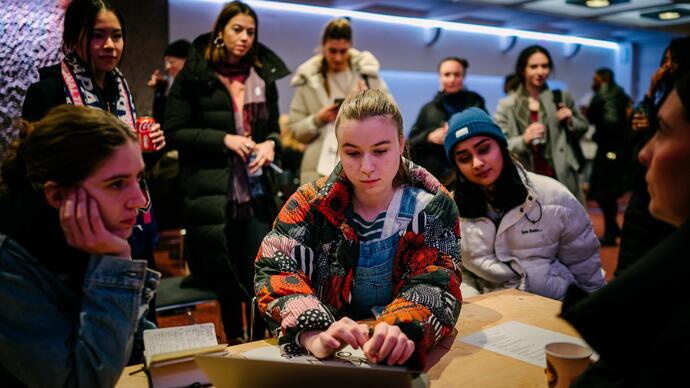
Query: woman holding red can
[222,117]
[93,41]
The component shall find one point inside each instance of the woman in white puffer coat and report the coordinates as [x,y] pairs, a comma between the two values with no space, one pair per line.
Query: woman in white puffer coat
[519,229]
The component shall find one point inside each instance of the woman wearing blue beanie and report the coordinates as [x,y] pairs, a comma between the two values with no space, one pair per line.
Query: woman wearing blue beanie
[519,229]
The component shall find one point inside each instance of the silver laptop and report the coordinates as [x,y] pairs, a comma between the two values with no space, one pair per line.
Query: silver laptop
[227,372]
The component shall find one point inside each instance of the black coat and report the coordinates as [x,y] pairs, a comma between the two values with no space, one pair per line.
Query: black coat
[607,112]
[433,114]
[639,322]
[199,114]
[45,94]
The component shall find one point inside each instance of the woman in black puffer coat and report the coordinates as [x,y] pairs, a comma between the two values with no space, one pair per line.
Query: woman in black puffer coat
[222,117]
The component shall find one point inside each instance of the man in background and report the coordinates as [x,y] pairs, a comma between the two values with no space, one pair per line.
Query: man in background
[608,112]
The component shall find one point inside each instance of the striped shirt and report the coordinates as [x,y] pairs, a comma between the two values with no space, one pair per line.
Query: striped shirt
[368,230]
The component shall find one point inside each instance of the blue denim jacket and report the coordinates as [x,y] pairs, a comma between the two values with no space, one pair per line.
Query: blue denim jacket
[53,336]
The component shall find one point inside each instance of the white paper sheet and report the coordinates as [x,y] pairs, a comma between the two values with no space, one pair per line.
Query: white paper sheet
[518,340]
[172,339]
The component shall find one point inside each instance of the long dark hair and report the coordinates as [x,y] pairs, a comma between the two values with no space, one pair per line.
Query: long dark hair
[80,19]
[510,190]
[218,55]
[679,50]
[523,58]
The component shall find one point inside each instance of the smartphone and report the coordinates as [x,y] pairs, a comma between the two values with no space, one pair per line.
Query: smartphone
[338,101]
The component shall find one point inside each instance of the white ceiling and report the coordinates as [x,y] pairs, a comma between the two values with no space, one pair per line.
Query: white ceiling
[619,22]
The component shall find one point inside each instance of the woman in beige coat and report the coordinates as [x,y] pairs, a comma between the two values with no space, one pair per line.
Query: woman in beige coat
[321,83]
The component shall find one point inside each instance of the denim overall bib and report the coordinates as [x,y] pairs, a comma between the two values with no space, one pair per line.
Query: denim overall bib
[372,285]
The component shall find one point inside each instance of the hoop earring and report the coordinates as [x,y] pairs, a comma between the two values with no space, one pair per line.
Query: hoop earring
[218,42]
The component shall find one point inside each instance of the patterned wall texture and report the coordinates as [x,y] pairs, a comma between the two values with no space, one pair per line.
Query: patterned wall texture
[30,35]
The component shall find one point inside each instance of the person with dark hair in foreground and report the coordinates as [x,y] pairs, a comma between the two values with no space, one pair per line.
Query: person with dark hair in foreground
[641,231]
[73,300]
[638,324]
[519,229]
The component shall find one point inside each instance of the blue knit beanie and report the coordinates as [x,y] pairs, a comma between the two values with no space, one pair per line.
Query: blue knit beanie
[469,123]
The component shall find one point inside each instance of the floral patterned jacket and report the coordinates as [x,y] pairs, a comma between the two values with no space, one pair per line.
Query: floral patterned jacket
[305,265]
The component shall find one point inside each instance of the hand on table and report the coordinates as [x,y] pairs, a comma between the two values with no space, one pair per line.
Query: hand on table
[342,332]
[388,343]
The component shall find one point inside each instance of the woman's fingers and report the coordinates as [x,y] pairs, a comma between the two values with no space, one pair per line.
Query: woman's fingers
[157,136]
[371,348]
[361,334]
[390,343]
[409,350]
[329,341]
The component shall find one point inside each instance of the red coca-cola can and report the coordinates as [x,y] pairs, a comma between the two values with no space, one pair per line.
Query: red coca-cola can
[143,128]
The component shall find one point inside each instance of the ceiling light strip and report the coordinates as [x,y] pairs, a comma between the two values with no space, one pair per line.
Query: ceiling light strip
[427,23]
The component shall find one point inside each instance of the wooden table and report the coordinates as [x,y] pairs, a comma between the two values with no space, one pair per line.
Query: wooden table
[453,363]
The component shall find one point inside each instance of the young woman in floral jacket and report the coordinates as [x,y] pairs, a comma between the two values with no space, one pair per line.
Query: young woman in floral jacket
[378,238]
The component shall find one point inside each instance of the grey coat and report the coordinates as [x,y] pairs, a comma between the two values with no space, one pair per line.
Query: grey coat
[512,115]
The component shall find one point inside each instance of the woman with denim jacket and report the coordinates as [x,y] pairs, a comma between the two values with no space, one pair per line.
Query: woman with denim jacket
[520,229]
[377,239]
[72,297]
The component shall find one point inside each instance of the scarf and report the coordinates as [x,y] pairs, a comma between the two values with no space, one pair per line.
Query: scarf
[247,113]
[80,89]
[454,103]
[254,106]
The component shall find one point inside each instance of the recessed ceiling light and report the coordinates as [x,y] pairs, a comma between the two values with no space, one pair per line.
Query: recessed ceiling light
[669,15]
[597,3]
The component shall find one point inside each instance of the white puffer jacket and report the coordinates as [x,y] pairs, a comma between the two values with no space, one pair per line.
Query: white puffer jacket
[310,96]
[541,246]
